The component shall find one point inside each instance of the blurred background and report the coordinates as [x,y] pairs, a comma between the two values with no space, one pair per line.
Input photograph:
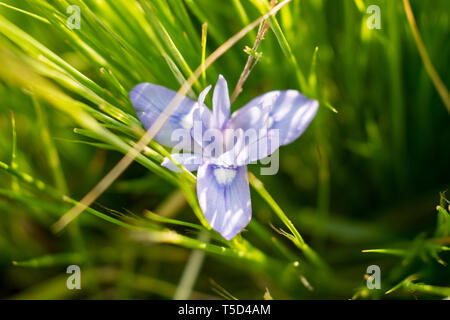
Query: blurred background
[371,176]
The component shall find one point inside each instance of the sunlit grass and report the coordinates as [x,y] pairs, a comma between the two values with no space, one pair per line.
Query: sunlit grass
[365,177]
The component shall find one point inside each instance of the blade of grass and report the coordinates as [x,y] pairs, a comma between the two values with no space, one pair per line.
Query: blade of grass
[50,149]
[30,14]
[438,84]
[204,38]
[191,271]
[62,259]
[296,238]
[284,44]
[14,183]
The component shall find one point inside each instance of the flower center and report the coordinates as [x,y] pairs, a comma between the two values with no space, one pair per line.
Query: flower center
[224,175]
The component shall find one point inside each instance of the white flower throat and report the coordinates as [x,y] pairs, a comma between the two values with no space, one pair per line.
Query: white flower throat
[224,176]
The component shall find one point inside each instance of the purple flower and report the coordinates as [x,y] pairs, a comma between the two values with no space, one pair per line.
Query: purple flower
[253,132]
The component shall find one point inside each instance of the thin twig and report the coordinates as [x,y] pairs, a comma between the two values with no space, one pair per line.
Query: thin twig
[252,60]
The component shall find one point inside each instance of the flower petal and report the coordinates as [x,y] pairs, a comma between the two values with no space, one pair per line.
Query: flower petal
[266,143]
[202,118]
[234,141]
[221,103]
[290,113]
[224,197]
[150,100]
[202,95]
[190,161]
[253,115]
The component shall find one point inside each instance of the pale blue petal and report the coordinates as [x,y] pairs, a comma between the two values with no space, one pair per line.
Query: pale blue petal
[190,161]
[202,95]
[150,100]
[224,197]
[267,142]
[202,118]
[234,143]
[290,113]
[221,103]
[253,115]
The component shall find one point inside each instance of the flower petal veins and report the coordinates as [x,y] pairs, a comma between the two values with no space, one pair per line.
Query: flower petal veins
[224,197]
